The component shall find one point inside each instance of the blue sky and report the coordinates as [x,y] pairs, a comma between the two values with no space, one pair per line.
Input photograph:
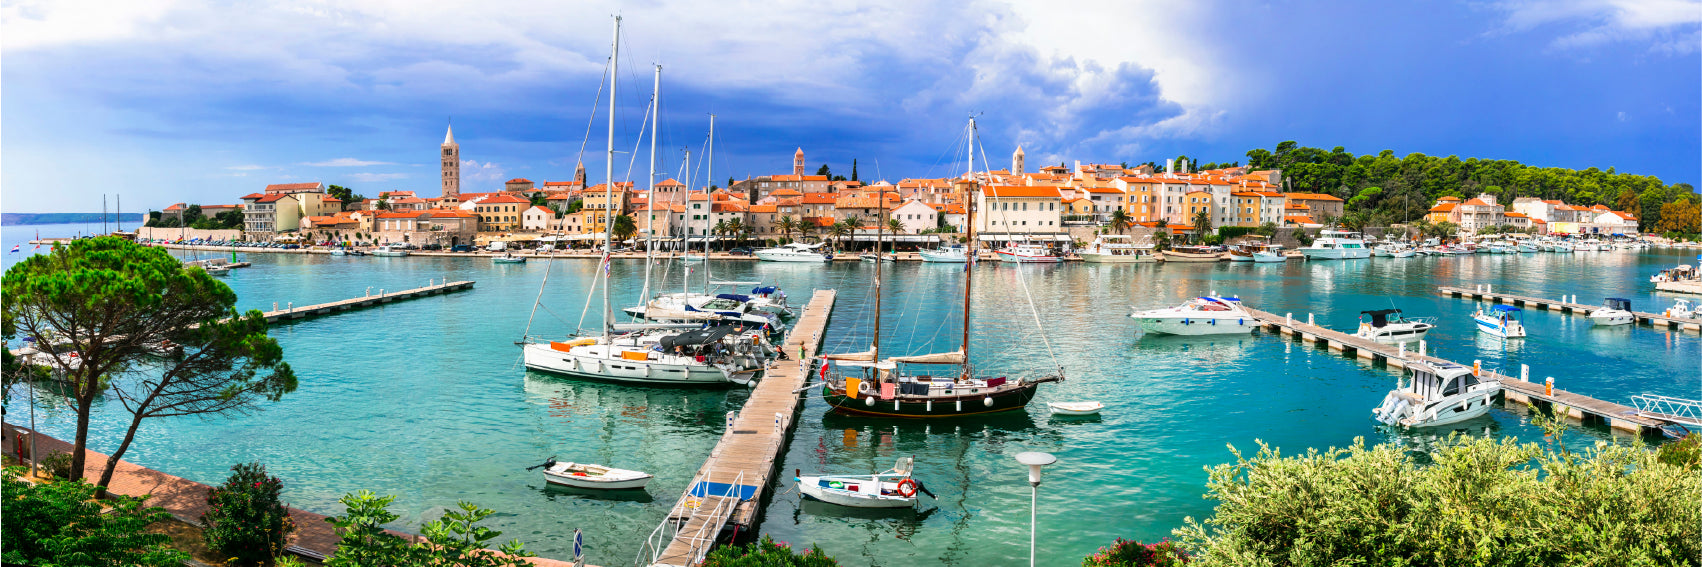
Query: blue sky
[203,101]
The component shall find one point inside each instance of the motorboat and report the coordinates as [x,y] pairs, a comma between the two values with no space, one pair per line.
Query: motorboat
[873,257]
[1075,408]
[596,477]
[1616,311]
[339,252]
[1199,316]
[1680,272]
[1393,251]
[1336,245]
[1247,251]
[891,489]
[1682,309]
[1117,249]
[508,258]
[1388,326]
[1273,254]
[1529,247]
[953,254]
[702,357]
[702,308]
[693,258]
[1437,393]
[220,271]
[389,251]
[794,252]
[1026,253]
[1501,321]
[1192,254]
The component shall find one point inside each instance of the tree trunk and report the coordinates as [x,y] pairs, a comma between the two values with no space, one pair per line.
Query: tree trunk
[78,448]
[112,460]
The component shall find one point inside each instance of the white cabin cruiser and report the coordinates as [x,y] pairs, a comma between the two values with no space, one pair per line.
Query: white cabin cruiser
[1440,393]
[1388,326]
[581,475]
[1336,245]
[1617,311]
[1117,249]
[1200,316]
[1027,254]
[953,254]
[794,252]
[390,251]
[891,489]
[1682,309]
[1501,321]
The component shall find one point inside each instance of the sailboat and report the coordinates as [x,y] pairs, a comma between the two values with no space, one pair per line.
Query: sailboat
[878,387]
[645,353]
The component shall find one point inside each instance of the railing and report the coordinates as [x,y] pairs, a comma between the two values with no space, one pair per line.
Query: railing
[661,538]
[1686,412]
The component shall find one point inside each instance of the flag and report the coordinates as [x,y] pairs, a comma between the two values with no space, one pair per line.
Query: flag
[15,248]
[824,370]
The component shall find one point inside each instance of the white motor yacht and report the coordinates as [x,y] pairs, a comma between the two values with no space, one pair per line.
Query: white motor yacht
[1117,249]
[953,254]
[1682,309]
[1616,311]
[891,489]
[1199,316]
[1501,321]
[1336,245]
[1439,393]
[1026,253]
[389,251]
[794,252]
[1388,326]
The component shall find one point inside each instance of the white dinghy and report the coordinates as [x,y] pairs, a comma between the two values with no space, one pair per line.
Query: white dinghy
[1075,408]
[891,489]
[581,475]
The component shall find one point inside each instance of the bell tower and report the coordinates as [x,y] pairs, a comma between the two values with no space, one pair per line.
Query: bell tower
[798,162]
[1017,164]
[451,165]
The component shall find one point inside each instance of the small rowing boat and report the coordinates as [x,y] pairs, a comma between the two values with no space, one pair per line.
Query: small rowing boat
[1075,408]
[580,475]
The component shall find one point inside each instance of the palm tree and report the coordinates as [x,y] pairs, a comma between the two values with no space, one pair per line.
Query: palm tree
[1161,239]
[1354,221]
[1202,224]
[838,230]
[736,228]
[1120,221]
[786,226]
[895,227]
[624,227]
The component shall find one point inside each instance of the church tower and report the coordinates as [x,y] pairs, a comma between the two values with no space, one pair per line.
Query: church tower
[798,162]
[579,175]
[1017,162]
[451,165]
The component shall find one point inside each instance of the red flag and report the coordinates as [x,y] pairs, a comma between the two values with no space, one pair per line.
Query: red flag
[824,370]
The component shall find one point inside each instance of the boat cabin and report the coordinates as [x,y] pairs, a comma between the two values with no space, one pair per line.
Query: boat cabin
[1619,303]
[1440,380]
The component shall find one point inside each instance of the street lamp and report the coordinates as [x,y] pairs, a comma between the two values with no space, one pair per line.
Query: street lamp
[1034,461]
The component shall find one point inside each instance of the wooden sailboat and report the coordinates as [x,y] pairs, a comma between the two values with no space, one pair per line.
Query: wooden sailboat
[876,387]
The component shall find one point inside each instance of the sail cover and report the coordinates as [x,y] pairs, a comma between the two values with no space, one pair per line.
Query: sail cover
[698,337]
[936,358]
[865,356]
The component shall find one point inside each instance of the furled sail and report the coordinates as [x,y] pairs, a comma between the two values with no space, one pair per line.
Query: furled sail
[936,358]
[865,356]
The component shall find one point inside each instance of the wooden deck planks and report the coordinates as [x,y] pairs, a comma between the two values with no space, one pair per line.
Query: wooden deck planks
[1545,304]
[383,297]
[748,453]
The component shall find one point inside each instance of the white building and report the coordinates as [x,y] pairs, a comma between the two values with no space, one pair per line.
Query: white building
[916,216]
[537,218]
[1007,210]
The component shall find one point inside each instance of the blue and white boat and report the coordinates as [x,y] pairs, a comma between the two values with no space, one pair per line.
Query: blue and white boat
[1501,321]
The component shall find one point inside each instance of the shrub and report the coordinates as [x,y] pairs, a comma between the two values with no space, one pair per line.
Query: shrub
[767,553]
[58,464]
[1685,453]
[1128,553]
[245,519]
[454,539]
[1229,232]
[60,523]
[1478,501]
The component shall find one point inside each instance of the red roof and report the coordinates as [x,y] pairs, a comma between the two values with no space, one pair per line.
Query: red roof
[786,193]
[1009,191]
[1443,208]
[1313,197]
[519,180]
[1300,220]
[501,199]
[764,208]
[1476,202]
[253,196]
[270,198]
[820,198]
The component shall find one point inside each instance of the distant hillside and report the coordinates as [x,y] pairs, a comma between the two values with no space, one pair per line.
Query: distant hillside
[11,219]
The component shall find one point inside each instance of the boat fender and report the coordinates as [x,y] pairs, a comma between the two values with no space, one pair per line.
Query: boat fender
[1214,322]
[987,401]
[960,405]
[1184,321]
[895,404]
[869,401]
[1241,322]
[929,406]
[907,488]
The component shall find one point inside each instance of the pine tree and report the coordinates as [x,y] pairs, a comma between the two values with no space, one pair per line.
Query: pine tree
[853,169]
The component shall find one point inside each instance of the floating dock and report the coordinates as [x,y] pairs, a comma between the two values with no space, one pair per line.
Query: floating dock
[291,312]
[1563,306]
[728,489]
[1561,402]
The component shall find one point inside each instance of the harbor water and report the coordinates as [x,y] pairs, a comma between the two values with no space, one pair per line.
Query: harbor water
[427,399]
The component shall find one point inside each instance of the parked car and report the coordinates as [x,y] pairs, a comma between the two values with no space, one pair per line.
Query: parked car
[431,247]
[741,251]
[461,248]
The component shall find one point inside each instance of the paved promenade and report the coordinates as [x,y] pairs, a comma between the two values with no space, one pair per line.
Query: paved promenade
[186,500]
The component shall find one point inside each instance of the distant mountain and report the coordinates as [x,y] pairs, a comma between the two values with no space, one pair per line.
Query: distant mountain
[10,219]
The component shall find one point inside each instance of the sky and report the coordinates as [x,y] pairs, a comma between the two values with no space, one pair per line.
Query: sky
[202,101]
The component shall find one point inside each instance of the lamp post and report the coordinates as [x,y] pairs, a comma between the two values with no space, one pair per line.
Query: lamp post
[1033,461]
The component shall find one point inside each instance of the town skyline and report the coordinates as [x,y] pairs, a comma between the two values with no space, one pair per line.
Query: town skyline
[175,121]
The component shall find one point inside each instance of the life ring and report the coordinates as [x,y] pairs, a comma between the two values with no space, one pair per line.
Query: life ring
[907,488]
[864,388]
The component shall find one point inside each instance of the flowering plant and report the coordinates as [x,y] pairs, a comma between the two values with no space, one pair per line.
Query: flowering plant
[1127,553]
[245,520]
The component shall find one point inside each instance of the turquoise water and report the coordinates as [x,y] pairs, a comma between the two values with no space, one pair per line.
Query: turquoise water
[426,399]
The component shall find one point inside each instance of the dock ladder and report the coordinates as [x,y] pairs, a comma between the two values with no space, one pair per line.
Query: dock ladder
[685,542]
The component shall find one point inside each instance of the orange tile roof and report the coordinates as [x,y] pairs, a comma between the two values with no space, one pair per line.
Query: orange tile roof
[253,196]
[1514,215]
[820,198]
[519,180]
[670,183]
[1010,191]
[1449,198]
[764,208]
[291,186]
[856,203]
[1103,190]
[501,199]
[1292,206]
[1444,207]
[1313,197]
[1299,220]
[790,202]
[786,193]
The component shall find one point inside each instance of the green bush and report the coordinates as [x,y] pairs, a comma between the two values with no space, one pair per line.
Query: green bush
[1684,453]
[1229,232]
[1303,237]
[245,520]
[1477,502]
[1128,553]
[454,539]
[58,464]
[60,524]
[767,553]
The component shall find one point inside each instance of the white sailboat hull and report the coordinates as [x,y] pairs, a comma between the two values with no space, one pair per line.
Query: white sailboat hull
[776,255]
[540,356]
[948,257]
[1101,258]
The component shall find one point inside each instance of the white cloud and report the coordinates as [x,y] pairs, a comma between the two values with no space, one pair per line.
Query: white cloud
[474,173]
[364,177]
[346,162]
[1673,26]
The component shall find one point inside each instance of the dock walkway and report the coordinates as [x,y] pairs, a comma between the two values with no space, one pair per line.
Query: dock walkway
[1581,407]
[369,300]
[728,489]
[1563,306]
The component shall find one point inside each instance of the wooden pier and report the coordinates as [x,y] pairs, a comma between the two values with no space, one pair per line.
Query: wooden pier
[1515,390]
[1563,306]
[728,490]
[290,312]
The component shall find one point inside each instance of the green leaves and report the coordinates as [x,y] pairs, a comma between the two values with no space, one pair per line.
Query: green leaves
[453,539]
[60,524]
[245,518]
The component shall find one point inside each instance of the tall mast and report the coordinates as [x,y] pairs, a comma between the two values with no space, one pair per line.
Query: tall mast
[650,186]
[708,203]
[973,248]
[880,234]
[609,180]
